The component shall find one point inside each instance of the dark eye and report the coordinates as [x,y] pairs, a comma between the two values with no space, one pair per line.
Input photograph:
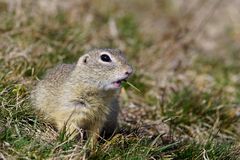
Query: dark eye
[105,58]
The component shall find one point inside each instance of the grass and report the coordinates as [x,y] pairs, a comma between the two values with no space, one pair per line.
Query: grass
[188,104]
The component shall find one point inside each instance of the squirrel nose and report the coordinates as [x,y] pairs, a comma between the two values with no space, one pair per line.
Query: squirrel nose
[129,71]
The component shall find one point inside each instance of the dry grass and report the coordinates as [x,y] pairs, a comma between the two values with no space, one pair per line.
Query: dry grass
[186,60]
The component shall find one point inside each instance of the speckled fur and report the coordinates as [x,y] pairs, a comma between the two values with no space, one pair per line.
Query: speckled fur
[74,94]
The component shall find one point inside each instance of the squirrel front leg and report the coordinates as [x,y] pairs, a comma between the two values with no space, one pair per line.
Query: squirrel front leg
[94,134]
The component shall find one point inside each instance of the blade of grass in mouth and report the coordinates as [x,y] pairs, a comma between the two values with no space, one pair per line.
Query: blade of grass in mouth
[131,85]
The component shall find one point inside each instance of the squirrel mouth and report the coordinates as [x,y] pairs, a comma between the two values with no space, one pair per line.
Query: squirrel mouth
[118,83]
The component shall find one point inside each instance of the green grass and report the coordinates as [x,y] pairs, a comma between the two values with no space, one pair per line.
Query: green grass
[210,150]
[20,123]
[203,124]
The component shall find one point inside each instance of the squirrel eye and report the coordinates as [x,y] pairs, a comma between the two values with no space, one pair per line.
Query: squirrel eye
[105,58]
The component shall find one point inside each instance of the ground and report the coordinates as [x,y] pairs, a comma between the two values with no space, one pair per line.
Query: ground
[186,60]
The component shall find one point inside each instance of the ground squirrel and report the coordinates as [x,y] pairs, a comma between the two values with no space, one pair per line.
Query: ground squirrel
[84,95]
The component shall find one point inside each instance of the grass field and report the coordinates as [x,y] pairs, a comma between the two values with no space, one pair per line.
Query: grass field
[186,60]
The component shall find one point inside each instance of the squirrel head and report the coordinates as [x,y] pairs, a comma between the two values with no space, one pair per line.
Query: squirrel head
[104,68]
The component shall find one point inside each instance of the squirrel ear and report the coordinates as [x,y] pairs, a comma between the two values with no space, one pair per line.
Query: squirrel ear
[83,60]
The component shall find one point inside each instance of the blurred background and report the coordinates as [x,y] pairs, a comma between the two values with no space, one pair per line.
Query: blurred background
[164,38]
[185,55]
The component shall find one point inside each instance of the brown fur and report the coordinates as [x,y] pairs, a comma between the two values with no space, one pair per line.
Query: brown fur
[76,95]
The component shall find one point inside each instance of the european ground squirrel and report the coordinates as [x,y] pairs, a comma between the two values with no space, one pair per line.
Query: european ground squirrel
[84,95]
